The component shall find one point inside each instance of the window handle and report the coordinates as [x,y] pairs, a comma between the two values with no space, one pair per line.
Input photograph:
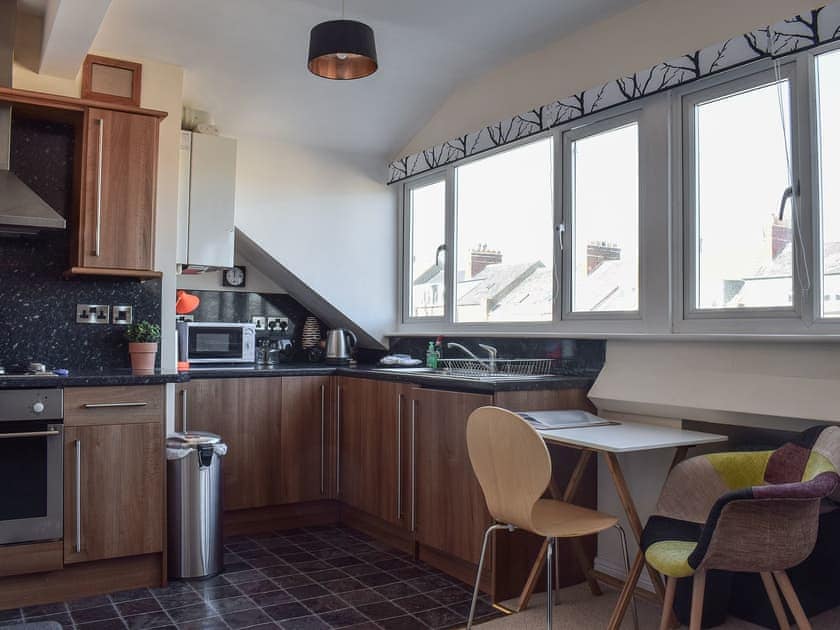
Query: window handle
[560,230]
[788,194]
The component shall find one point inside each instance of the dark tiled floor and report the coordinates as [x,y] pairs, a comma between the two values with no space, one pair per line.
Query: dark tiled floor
[314,578]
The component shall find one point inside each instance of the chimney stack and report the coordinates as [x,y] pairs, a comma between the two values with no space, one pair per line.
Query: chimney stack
[598,252]
[481,257]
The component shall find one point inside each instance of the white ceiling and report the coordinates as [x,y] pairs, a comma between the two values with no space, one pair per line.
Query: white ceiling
[245,60]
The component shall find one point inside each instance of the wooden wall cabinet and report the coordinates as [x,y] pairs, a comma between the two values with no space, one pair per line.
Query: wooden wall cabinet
[116,226]
[114,475]
[371,425]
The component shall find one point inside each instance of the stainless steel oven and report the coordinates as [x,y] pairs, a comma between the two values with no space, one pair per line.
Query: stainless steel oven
[31,465]
[219,342]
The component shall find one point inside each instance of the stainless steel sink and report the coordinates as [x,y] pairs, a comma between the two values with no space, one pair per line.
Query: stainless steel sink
[454,375]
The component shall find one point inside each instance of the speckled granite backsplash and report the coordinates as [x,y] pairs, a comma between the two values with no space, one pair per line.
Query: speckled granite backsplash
[37,306]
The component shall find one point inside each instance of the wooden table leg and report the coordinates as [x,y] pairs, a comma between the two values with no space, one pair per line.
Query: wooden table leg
[577,546]
[627,592]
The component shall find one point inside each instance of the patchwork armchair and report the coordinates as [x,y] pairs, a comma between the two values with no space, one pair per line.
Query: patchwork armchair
[754,512]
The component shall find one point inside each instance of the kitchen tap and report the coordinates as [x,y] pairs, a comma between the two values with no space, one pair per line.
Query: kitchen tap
[490,350]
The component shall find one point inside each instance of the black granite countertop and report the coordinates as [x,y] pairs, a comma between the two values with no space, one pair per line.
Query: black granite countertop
[556,381]
[127,377]
[91,379]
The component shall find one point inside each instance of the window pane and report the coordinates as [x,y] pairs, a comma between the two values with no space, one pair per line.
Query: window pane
[605,208]
[427,220]
[504,237]
[828,97]
[743,251]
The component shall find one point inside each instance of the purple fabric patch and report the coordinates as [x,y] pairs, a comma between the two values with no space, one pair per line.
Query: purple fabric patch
[820,486]
[786,464]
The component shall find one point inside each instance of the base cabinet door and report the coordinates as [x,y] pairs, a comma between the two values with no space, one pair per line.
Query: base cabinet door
[304,437]
[246,412]
[113,491]
[369,432]
[449,511]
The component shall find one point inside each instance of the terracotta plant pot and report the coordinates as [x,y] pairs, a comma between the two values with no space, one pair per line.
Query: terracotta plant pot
[143,357]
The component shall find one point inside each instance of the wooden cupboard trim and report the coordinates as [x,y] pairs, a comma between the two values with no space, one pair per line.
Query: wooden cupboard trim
[81,580]
[396,536]
[265,519]
[55,101]
[31,558]
[140,274]
[76,414]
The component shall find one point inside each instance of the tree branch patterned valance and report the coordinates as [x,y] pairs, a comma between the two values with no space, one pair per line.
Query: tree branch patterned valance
[793,35]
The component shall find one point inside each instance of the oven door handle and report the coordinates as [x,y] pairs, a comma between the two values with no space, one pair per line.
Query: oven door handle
[29,434]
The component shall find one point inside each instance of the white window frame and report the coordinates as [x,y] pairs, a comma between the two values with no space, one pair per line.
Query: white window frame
[771,320]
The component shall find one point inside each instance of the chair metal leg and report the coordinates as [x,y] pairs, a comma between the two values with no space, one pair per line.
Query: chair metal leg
[484,544]
[623,538]
[549,589]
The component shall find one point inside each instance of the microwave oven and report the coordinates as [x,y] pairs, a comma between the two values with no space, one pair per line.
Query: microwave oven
[217,342]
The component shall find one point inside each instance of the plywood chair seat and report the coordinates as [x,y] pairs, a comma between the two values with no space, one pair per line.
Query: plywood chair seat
[513,468]
[557,519]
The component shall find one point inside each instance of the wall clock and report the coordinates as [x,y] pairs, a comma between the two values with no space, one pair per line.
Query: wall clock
[234,277]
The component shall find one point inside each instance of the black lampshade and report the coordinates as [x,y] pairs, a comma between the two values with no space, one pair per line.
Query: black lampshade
[342,49]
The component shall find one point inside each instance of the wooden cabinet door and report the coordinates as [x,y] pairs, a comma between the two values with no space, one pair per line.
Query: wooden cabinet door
[246,413]
[370,460]
[118,212]
[303,438]
[450,514]
[120,491]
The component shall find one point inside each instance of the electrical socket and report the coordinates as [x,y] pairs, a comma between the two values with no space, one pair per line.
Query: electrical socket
[93,314]
[258,321]
[122,315]
[277,324]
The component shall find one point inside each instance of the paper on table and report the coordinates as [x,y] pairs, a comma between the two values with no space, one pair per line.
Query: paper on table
[567,419]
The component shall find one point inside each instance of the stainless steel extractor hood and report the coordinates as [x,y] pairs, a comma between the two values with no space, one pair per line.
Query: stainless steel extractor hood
[22,211]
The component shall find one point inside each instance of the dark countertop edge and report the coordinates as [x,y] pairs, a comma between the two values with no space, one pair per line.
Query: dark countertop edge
[432,382]
[89,380]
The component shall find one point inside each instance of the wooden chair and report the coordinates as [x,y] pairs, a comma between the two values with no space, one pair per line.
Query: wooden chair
[513,467]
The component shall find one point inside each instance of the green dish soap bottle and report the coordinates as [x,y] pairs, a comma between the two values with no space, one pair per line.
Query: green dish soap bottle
[431,356]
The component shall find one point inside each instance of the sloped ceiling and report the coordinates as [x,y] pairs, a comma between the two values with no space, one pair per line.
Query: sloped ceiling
[245,61]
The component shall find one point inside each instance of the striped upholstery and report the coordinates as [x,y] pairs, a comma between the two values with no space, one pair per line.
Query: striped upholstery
[752,511]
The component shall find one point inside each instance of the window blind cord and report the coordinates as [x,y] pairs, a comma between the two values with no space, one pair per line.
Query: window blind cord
[803,275]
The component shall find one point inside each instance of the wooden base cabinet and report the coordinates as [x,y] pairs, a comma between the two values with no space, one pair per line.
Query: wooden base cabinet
[114,474]
[371,424]
[304,439]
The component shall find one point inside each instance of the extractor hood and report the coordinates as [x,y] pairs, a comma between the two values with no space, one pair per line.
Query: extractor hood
[22,211]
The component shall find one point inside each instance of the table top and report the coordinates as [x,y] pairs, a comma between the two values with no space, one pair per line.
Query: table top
[628,437]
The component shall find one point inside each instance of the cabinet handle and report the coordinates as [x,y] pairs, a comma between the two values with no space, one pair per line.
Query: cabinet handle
[399,456]
[99,153]
[184,410]
[338,442]
[323,393]
[114,404]
[413,466]
[78,445]
[29,434]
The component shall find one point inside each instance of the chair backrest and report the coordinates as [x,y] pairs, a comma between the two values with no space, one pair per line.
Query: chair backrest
[511,462]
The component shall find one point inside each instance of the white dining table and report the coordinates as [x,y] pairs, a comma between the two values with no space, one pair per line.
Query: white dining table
[610,440]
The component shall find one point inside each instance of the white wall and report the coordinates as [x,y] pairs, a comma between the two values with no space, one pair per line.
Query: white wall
[326,217]
[255,280]
[633,40]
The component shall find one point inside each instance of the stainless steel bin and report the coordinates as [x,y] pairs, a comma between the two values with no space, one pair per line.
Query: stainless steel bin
[194,482]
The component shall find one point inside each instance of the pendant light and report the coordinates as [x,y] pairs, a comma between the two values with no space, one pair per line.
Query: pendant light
[342,49]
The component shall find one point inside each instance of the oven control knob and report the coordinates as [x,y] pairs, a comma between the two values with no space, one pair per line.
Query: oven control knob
[38,407]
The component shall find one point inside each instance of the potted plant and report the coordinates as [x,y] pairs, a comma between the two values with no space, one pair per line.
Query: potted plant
[143,339]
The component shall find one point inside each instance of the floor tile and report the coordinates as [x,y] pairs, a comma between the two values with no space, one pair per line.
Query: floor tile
[179,599]
[377,579]
[361,597]
[212,593]
[271,598]
[258,586]
[11,614]
[89,602]
[126,596]
[191,613]
[325,603]
[396,590]
[31,612]
[287,611]
[98,613]
[416,603]
[305,623]
[148,620]
[291,581]
[211,623]
[325,576]
[406,622]
[232,604]
[343,618]
[308,591]
[245,618]
[243,576]
[343,585]
[450,595]
[138,606]
[107,624]
[380,610]
[440,618]
[279,570]
[60,618]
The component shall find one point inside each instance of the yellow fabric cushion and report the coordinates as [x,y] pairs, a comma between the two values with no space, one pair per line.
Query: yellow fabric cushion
[670,557]
[817,464]
[740,470]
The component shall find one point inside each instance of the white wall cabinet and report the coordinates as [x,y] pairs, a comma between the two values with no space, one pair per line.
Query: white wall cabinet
[206,200]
